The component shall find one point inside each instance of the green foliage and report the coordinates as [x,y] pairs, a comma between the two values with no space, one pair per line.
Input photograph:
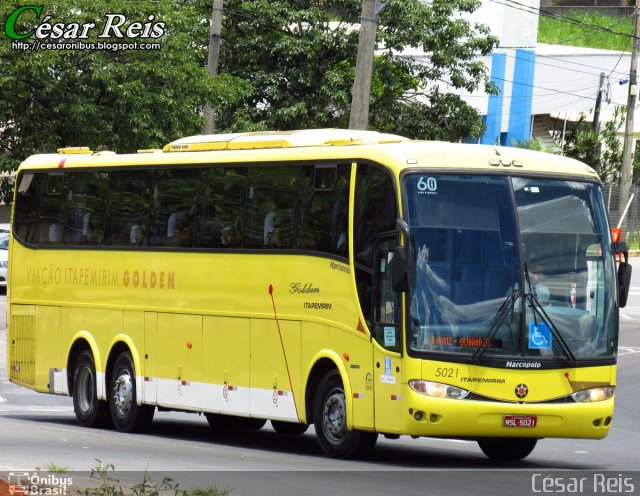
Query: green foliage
[299,59]
[108,486]
[106,99]
[560,31]
[603,152]
[54,468]
[285,64]
[535,144]
[633,241]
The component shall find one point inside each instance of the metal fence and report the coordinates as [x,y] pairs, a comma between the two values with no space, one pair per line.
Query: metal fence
[631,223]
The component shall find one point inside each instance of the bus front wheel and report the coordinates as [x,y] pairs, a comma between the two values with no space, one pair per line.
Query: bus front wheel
[89,410]
[330,421]
[507,450]
[127,415]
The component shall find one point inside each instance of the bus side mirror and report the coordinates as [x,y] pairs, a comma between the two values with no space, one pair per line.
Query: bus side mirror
[402,260]
[624,282]
[401,269]
[624,268]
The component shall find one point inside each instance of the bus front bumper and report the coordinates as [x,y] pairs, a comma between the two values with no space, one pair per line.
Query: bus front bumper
[438,417]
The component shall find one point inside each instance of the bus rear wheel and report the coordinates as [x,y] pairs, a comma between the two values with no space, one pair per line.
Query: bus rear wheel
[289,428]
[89,410]
[127,415]
[330,421]
[507,450]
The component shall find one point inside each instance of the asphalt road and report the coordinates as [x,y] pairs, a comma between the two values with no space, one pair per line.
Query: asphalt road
[39,431]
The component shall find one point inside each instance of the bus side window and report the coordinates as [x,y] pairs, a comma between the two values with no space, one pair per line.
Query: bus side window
[52,206]
[375,213]
[27,205]
[222,195]
[272,193]
[173,207]
[127,220]
[323,210]
[87,197]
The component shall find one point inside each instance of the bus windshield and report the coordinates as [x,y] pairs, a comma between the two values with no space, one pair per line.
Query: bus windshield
[510,266]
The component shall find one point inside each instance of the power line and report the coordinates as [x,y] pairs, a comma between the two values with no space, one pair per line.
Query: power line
[546,89]
[623,75]
[565,42]
[570,69]
[553,90]
[619,59]
[533,10]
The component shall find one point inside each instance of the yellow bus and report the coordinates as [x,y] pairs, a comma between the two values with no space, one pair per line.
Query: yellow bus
[357,281]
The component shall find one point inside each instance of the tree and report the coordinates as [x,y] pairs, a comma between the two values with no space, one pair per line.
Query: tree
[105,98]
[299,59]
[285,64]
[601,151]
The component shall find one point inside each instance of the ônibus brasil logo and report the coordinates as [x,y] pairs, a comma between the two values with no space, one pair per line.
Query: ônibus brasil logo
[51,34]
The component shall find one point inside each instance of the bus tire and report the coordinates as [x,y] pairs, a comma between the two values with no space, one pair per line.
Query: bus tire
[289,428]
[507,450]
[127,415]
[221,422]
[89,410]
[330,421]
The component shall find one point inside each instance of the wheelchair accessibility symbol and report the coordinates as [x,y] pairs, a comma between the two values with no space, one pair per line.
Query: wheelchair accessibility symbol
[539,336]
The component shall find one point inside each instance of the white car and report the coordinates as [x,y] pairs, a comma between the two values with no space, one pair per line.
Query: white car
[4,257]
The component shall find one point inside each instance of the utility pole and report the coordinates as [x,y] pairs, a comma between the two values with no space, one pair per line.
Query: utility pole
[596,111]
[626,173]
[359,117]
[213,58]
[596,119]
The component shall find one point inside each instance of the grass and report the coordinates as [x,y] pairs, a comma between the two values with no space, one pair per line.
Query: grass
[558,30]
[108,486]
[634,241]
[53,468]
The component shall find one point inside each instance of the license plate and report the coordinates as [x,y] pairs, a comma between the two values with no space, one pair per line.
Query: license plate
[520,421]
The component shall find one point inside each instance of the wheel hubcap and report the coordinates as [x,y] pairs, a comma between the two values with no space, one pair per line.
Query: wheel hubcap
[334,416]
[123,393]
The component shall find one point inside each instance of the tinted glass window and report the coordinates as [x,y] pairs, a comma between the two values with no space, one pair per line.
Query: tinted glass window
[221,203]
[375,213]
[324,209]
[87,200]
[25,222]
[375,210]
[128,219]
[174,205]
[270,209]
[52,205]
[278,206]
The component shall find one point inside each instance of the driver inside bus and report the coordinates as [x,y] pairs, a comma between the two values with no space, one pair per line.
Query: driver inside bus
[536,277]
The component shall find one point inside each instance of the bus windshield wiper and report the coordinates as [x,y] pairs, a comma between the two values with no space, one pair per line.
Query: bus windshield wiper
[539,311]
[503,311]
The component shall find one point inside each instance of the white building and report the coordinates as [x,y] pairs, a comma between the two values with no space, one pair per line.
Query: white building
[543,88]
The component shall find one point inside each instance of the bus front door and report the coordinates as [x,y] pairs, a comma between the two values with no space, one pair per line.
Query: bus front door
[387,336]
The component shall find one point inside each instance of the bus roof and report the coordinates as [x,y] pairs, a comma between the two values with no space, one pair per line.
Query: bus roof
[391,150]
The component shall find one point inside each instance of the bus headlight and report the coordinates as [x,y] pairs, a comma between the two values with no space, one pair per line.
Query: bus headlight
[437,389]
[594,394]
